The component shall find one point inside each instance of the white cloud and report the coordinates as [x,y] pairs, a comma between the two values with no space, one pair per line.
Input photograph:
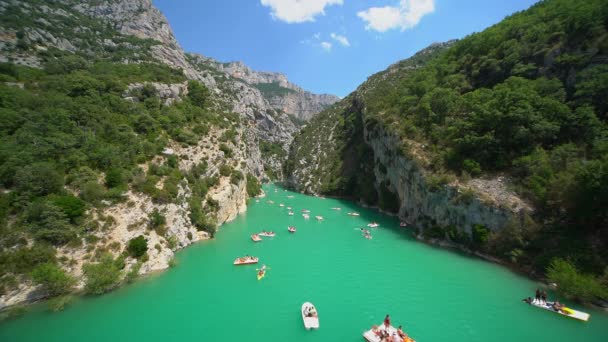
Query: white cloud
[407,15]
[317,35]
[340,39]
[298,11]
[326,46]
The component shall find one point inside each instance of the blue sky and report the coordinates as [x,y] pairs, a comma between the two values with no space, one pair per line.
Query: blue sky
[326,46]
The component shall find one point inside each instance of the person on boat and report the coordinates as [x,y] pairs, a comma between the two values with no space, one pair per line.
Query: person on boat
[543,296]
[401,333]
[537,295]
[557,306]
[387,321]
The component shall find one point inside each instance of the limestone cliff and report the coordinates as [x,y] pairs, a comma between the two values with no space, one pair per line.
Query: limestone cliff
[347,152]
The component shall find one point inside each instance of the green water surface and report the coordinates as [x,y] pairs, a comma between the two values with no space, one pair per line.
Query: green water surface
[437,295]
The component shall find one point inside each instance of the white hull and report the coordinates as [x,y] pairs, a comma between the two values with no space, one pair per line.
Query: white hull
[309,322]
[549,306]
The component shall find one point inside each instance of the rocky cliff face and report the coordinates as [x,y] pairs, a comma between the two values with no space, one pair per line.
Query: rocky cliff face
[485,202]
[266,99]
[281,94]
[347,152]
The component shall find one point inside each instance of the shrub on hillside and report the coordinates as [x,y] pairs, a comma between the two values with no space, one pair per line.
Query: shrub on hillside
[101,277]
[574,284]
[137,247]
[52,278]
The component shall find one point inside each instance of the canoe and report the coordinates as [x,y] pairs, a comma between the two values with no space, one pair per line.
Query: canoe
[568,312]
[353,214]
[291,229]
[246,261]
[288,208]
[310,316]
[256,238]
[373,225]
[281,205]
[267,234]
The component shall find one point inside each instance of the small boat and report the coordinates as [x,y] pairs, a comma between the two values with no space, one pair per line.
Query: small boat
[291,229]
[306,216]
[402,224]
[261,272]
[305,211]
[267,234]
[288,208]
[290,213]
[310,316]
[256,238]
[246,260]
[320,218]
[565,311]
[353,214]
[376,332]
[290,196]
[336,208]
[257,201]
[373,225]
[270,202]
[368,236]
[281,205]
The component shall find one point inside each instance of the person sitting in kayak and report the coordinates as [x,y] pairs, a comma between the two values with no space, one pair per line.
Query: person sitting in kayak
[557,306]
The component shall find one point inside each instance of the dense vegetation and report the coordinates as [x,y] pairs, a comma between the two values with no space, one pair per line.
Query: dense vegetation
[526,98]
[70,142]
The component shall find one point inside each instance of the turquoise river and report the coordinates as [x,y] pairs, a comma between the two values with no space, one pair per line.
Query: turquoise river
[436,294]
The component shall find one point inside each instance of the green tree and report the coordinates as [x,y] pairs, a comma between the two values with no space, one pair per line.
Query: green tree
[73,207]
[114,178]
[53,279]
[137,246]
[574,284]
[198,93]
[103,276]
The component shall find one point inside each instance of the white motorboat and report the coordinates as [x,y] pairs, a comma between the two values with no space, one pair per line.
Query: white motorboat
[310,316]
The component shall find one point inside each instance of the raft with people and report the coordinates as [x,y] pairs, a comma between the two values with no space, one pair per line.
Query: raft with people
[291,229]
[256,238]
[319,218]
[267,234]
[386,333]
[310,316]
[246,260]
